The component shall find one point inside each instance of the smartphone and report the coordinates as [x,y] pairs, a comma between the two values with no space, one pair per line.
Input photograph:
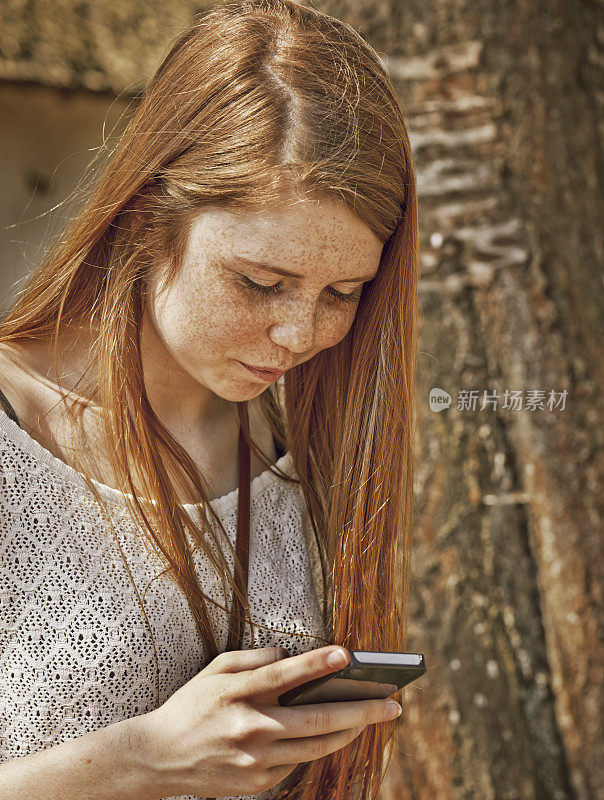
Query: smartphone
[370,675]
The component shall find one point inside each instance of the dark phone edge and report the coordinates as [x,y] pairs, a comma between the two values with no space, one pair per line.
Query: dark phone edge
[304,687]
[292,694]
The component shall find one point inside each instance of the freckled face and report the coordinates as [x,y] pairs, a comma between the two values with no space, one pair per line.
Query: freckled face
[212,318]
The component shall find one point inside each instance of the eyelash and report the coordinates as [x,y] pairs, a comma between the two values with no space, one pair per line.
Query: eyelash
[275,289]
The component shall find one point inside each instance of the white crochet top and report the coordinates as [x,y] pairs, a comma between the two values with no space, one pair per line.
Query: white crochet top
[76,653]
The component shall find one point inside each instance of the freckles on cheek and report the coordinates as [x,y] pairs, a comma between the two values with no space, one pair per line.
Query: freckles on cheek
[197,304]
[233,319]
[334,329]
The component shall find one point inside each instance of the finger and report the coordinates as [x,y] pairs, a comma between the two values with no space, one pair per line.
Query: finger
[241,660]
[265,684]
[312,747]
[320,718]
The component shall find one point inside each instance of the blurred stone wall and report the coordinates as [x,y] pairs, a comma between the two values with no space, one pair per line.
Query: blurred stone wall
[67,73]
[100,45]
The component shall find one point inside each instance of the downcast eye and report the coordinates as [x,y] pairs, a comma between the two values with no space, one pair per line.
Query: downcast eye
[275,288]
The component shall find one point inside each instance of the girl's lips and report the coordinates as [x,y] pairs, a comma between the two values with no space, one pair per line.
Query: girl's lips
[265,375]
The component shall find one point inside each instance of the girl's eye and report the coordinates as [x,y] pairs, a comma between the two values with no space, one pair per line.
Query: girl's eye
[276,288]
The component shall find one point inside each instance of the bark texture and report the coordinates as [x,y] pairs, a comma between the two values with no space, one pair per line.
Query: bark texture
[504,103]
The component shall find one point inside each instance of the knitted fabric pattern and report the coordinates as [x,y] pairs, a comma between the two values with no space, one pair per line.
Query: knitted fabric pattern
[76,653]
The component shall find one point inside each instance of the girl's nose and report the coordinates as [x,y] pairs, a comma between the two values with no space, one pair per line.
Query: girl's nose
[296,331]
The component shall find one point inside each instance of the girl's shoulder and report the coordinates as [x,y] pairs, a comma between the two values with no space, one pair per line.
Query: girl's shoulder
[35,401]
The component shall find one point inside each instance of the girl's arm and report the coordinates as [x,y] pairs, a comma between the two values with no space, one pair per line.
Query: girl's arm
[107,764]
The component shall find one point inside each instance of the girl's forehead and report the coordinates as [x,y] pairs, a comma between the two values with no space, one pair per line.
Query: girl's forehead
[298,232]
[293,215]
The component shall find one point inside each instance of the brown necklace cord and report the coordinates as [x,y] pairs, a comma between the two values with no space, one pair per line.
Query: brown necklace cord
[242,542]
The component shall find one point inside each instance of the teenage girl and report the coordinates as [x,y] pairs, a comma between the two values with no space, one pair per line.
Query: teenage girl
[208,394]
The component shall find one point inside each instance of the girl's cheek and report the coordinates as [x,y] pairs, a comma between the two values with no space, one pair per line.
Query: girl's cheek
[236,320]
[239,318]
[213,304]
[333,328]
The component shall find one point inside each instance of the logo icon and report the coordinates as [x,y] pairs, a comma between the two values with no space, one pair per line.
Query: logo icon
[439,399]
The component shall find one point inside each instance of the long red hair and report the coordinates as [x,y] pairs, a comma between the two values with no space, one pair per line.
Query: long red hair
[255,100]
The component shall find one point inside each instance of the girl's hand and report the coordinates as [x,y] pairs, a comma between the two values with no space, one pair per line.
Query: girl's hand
[224,732]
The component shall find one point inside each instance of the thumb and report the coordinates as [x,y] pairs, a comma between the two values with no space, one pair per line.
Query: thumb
[242,660]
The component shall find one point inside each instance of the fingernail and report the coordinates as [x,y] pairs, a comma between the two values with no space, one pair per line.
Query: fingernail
[393,709]
[337,658]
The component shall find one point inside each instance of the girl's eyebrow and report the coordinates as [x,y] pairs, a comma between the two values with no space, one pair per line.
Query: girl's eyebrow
[243,262]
